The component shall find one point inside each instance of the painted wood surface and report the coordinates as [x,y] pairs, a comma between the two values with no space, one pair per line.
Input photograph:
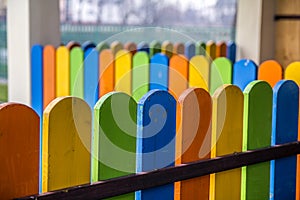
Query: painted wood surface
[87,45]
[167,48]
[221,49]
[284,130]
[227,138]
[199,72]
[190,50]
[155,47]
[159,68]
[178,75]
[123,64]
[211,50]
[231,51]
[178,48]
[101,46]
[270,71]
[201,48]
[72,44]
[156,120]
[193,140]
[66,144]
[143,46]
[37,79]
[257,134]
[77,72]
[131,47]
[106,71]
[244,72]
[114,140]
[19,151]
[140,75]
[62,71]
[220,73]
[115,47]
[91,76]
[49,61]
[292,72]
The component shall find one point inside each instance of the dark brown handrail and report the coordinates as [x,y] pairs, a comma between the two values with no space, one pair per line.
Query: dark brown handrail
[123,185]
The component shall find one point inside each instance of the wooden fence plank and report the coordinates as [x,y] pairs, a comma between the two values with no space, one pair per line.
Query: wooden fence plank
[193,140]
[87,45]
[257,134]
[140,75]
[101,46]
[131,47]
[159,68]
[106,71]
[62,71]
[115,138]
[49,74]
[167,48]
[156,131]
[115,47]
[123,65]
[284,130]
[199,72]
[37,79]
[66,144]
[178,75]
[91,76]
[143,46]
[227,138]
[270,71]
[231,51]
[155,47]
[77,72]
[178,48]
[244,72]
[211,50]
[220,73]
[19,151]
[190,50]
[221,49]
[72,44]
[201,48]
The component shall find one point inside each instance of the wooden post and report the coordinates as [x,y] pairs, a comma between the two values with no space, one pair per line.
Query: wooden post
[28,22]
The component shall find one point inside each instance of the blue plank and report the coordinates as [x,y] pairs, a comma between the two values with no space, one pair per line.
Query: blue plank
[156,120]
[284,130]
[91,76]
[159,66]
[189,50]
[244,72]
[231,51]
[87,45]
[143,46]
[37,93]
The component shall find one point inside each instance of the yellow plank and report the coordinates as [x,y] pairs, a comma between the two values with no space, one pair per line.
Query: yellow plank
[123,65]
[227,135]
[66,144]
[199,72]
[116,46]
[167,48]
[62,71]
[292,72]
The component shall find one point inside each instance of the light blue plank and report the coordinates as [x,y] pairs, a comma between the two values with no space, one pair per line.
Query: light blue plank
[87,45]
[284,130]
[231,51]
[91,76]
[159,66]
[143,46]
[190,50]
[156,131]
[244,72]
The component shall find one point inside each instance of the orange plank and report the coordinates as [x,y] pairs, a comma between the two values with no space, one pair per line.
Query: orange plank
[178,48]
[270,71]
[19,151]
[49,74]
[106,71]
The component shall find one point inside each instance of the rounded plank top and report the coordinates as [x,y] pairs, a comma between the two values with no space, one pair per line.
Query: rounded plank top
[270,71]
[292,72]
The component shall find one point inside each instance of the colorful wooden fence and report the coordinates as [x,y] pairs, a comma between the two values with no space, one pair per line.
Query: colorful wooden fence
[131,137]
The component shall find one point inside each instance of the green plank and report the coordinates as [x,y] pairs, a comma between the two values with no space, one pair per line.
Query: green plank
[140,75]
[101,46]
[155,47]
[76,72]
[114,139]
[258,97]
[220,73]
